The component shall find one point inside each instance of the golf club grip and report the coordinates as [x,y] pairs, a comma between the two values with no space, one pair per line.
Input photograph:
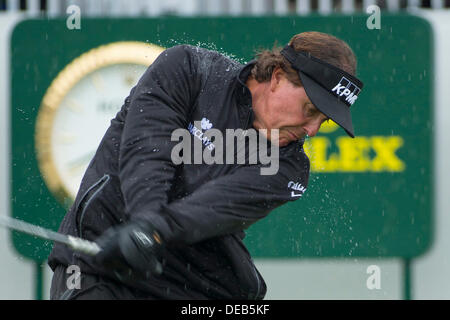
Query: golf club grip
[84,246]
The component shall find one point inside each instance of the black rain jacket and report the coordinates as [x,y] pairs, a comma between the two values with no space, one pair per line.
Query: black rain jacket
[201,210]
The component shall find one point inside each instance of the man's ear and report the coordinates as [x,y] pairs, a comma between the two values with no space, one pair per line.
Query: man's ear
[275,80]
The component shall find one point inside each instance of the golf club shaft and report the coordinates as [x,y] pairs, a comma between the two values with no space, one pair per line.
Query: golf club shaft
[77,244]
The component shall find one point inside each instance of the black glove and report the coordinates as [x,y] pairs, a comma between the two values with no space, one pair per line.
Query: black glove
[131,251]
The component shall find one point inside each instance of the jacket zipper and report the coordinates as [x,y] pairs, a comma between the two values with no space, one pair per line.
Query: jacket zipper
[87,199]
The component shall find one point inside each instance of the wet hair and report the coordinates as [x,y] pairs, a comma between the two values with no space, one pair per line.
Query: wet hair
[320,45]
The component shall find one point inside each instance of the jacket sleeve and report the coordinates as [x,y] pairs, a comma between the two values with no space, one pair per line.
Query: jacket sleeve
[159,104]
[231,203]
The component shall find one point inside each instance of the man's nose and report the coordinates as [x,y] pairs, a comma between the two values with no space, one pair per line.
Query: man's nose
[312,129]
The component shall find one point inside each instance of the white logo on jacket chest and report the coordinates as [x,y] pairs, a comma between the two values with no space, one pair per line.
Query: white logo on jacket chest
[198,133]
[298,187]
[206,124]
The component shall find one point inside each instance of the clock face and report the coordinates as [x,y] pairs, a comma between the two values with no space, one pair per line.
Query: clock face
[83,117]
[78,107]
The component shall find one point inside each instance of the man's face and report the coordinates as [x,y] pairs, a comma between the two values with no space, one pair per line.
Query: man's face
[279,104]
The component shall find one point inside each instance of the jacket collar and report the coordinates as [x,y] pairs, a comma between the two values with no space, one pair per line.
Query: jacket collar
[244,96]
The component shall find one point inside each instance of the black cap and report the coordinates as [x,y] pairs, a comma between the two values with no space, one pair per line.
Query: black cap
[330,89]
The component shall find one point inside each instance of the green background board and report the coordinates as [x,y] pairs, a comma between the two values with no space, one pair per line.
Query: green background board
[356,214]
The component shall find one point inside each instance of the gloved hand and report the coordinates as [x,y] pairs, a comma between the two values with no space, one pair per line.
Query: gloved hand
[131,250]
